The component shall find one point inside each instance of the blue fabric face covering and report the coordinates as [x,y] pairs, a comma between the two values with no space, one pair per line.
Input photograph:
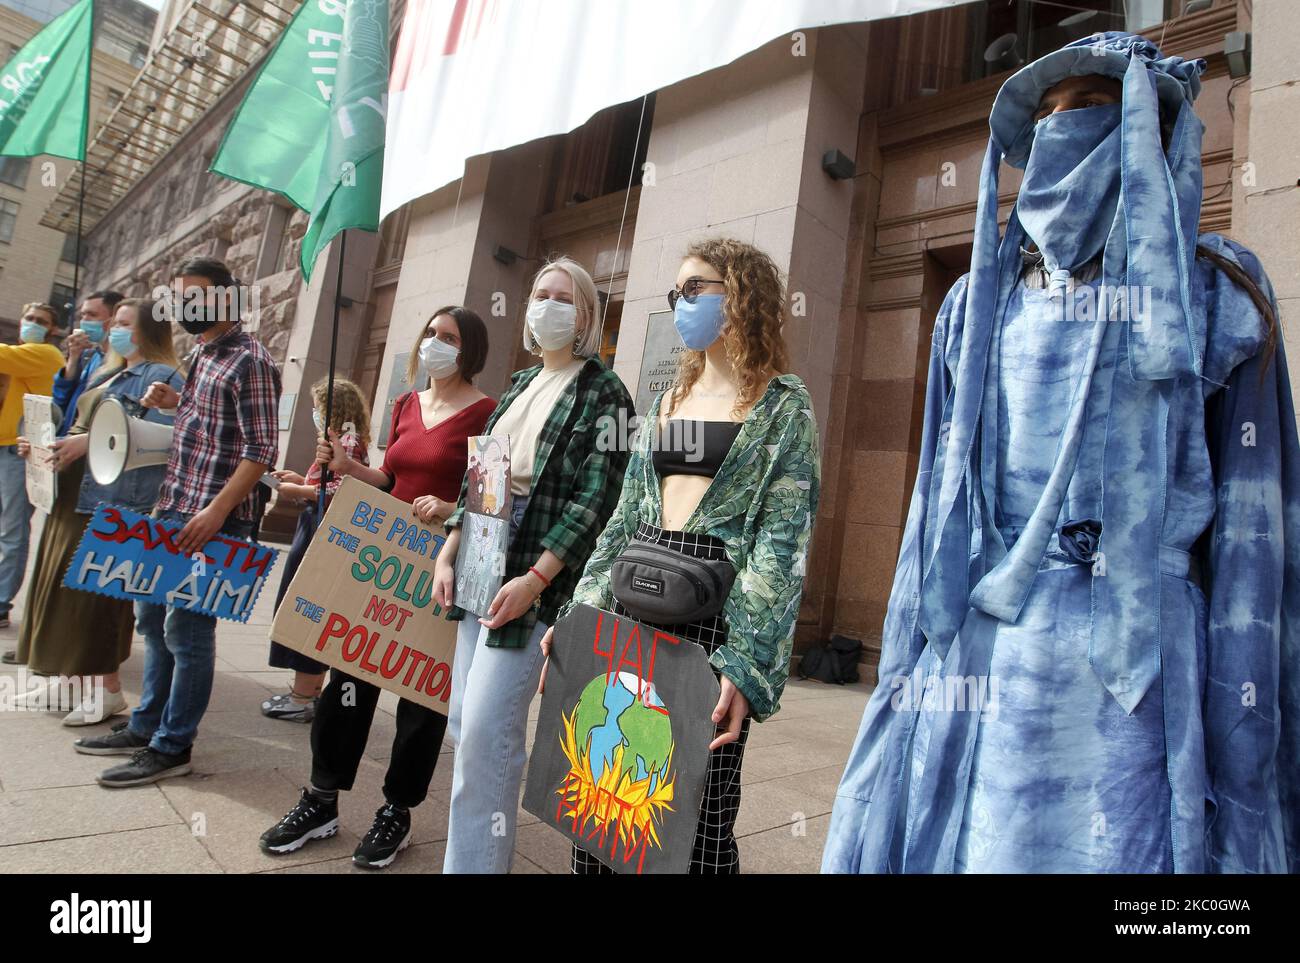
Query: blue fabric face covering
[699,324]
[94,330]
[32,333]
[1071,188]
[119,339]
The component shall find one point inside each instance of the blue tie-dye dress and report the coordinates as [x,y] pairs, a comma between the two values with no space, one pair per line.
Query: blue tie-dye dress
[1034,742]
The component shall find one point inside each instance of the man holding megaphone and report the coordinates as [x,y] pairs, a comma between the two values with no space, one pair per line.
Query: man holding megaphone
[226,437]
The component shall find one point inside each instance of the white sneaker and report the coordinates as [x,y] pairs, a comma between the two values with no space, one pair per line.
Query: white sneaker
[92,712]
[45,696]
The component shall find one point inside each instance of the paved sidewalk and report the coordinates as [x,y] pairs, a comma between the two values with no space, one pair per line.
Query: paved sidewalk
[248,769]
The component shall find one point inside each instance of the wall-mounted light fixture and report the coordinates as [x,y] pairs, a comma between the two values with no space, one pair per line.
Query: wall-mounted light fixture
[1236,47]
[837,164]
[504,255]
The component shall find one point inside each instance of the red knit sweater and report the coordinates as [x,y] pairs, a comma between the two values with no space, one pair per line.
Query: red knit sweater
[431,461]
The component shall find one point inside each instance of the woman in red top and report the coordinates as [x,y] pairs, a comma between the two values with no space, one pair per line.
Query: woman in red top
[424,464]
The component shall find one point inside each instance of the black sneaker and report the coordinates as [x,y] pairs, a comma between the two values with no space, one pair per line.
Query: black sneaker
[146,766]
[10,656]
[389,835]
[120,741]
[312,818]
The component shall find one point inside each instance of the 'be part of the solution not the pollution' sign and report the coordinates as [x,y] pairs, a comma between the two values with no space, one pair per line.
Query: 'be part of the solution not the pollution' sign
[132,556]
[622,747]
[362,599]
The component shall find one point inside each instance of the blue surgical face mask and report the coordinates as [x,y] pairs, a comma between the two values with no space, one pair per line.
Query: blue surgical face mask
[120,340]
[699,324]
[318,421]
[94,330]
[32,332]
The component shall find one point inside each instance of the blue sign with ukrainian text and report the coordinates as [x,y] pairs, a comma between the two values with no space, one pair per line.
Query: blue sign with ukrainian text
[131,556]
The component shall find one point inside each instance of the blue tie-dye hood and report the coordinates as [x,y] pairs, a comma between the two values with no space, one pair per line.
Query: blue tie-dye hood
[1153,242]
[1151,246]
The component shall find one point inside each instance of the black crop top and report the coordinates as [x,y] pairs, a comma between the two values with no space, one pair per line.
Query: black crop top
[693,447]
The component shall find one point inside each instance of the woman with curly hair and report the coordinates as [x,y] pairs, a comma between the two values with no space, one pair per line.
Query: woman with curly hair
[724,470]
[350,420]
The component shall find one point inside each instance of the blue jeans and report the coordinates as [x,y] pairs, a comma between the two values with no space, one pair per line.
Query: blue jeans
[491,690]
[179,662]
[490,693]
[15,524]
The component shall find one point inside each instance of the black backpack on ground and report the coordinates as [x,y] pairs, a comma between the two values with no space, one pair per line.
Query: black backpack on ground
[836,661]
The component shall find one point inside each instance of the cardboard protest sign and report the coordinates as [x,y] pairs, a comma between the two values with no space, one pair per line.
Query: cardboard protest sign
[132,556]
[485,525]
[622,746]
[362,598]
[39,428]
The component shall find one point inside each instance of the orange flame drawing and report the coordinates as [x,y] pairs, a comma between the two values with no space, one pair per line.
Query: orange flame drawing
[615,800]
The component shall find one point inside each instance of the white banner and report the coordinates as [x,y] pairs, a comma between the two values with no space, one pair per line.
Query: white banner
[475,76]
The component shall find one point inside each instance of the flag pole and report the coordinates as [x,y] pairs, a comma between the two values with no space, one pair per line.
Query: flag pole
[329,387]
[81,192]
[76,263]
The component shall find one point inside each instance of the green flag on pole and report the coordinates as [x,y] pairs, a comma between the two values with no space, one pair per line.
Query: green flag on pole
[45,89]
[311,127]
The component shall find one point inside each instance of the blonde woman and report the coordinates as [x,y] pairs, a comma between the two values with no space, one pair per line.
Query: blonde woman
[563,487]
[71,634]
[725,469]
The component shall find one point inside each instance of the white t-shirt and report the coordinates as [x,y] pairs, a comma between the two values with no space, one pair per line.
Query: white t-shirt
[524,419]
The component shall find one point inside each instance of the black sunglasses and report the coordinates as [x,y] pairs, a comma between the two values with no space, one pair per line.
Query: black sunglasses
[689,291]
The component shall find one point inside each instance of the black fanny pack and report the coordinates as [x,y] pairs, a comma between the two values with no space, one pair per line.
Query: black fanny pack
[656,584]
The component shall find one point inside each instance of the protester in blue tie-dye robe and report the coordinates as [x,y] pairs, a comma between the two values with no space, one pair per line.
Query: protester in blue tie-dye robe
[1091,659]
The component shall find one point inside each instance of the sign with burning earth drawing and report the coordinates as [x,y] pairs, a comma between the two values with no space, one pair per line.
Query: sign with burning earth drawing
[622,747]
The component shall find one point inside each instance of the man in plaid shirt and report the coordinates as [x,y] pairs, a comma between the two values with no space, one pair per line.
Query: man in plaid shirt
[226,437]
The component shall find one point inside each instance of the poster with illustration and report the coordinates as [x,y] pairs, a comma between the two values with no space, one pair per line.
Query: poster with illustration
[485,526]
[622,747]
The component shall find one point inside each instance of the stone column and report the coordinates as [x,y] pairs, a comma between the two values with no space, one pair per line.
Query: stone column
[1273,199]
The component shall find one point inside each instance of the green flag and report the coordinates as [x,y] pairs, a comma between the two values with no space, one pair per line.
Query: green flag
[45,89]
[311,127]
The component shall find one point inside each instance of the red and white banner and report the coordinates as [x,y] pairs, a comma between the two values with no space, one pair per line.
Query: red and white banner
[474,76]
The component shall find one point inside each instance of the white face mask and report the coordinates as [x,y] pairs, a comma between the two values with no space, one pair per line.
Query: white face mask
[552,323]
[438,358]
[317,420]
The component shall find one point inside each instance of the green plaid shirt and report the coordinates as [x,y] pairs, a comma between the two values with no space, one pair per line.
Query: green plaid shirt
[575,488]
[762,504]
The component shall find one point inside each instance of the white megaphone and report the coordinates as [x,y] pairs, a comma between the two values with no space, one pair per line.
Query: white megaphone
[119,443]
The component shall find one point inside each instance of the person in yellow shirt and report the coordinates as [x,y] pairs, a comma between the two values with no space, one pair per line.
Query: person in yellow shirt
[25,368]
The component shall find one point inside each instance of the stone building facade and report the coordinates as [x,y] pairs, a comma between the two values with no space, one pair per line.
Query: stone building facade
[737,151]
[36,262]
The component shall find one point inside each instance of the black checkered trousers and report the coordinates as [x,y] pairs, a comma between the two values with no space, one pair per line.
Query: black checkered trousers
[715,848]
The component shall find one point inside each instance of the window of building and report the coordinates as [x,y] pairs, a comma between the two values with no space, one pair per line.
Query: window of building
[8,218]
[61,298]
[1008,35]
[13,171]
[598,157]
[69,252]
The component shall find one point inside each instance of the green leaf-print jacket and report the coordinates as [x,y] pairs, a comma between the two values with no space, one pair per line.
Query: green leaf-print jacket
[761,504]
